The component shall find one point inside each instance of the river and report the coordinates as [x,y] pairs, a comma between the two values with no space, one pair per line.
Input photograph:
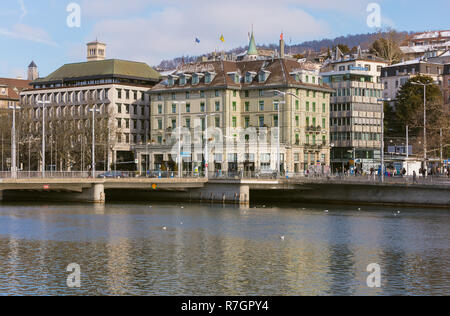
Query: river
[203,249]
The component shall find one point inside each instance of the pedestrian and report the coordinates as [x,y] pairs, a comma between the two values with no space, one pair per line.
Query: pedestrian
[415,177]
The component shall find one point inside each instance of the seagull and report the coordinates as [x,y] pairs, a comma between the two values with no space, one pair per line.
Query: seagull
[326,211]
[164,228]
[282,238]
[182,207]
[359,209]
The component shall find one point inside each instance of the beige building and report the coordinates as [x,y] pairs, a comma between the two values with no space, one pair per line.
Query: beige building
[355,112]
[116,87]
[237,103]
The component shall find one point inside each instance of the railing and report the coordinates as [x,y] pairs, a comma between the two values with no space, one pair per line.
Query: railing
[311,176]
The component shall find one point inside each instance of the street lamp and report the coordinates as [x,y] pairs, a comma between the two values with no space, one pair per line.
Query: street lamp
[424,119]
[43,103]
[180,160]
[382,135]
[284,94]
[206,141]
[13,142]
[93,110]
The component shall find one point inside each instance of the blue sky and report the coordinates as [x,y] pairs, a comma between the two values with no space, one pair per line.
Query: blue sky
[152,30]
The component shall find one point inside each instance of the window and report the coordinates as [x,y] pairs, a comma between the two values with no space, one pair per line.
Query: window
[202,94]
[247,121]
[188,95]
[174,108]
[119,93]
[174,123]
[247,106]
[275,120]
[217,106]
[234,93]
[234,106]
[119,123]
[261,121]
[261,105]
[174,96]
[234,121]
[202,107]
[307,106]
[119,108]
[188,108]
[127,94]
[297,121]
[314,107]
[216,93]
[297,105]
[324,123]
[217,119]
[247,93]
[159,108]
[160,125]
[127,123]
[188,123]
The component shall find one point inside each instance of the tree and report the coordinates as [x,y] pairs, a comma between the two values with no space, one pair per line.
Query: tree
[409,110]
[386,46]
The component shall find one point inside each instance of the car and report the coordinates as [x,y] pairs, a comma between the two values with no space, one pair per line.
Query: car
[113,175]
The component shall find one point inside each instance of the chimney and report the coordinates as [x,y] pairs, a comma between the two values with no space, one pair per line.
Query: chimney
[281,46]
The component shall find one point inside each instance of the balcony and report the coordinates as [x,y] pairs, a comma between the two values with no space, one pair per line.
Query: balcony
[314,129]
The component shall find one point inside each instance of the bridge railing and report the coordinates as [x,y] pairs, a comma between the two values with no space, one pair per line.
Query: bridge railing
[227,175]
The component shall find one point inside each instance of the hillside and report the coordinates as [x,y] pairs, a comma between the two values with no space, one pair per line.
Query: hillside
[315,46]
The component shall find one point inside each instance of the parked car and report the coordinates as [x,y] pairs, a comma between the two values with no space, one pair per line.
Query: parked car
[114,175]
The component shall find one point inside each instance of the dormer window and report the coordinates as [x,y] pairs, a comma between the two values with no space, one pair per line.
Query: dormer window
[237,78]
[171,80]
[195,79]
[263,75]
[249,76]
[209,77]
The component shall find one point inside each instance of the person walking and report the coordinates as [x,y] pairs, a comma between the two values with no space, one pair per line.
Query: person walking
[415,177]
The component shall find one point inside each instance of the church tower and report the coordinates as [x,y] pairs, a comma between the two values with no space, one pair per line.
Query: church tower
[96,51]
[32,71]
[252,53]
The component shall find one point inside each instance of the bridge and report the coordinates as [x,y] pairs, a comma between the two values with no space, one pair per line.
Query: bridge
[326,189]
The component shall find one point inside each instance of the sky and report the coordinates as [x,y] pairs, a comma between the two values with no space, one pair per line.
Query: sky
[152,30]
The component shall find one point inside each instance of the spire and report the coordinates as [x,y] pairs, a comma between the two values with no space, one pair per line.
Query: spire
[252,50]
[359,53]
[32,65]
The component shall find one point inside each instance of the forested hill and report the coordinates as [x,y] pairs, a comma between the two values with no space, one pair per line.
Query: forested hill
[365,40]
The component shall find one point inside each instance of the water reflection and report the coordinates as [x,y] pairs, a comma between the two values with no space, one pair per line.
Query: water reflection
[214,250]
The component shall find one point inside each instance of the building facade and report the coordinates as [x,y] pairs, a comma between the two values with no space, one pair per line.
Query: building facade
[446,85]
[117,88]
[235,107]
[395,76]
[355,112]
[10,90]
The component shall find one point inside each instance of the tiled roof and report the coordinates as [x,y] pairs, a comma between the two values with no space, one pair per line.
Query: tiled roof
[279,70]
[102,68]
[12,85]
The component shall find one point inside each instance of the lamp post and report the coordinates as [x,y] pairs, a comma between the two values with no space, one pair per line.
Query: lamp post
[424,119]
[284,94]
[382,136]
[43,102]
[206,142]
[93,110]
[180,159]
[13,142]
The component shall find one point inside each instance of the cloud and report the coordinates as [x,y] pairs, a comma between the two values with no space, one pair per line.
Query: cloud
[170,31]
[25,32]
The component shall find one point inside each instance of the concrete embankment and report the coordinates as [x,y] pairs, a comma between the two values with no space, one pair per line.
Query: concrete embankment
[387,194]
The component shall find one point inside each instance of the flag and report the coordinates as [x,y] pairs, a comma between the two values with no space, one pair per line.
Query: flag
[281,37]
[222,39]
[197,40]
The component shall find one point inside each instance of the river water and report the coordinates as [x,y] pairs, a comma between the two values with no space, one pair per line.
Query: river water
[202,249]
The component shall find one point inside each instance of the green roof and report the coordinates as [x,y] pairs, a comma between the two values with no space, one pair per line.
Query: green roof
[252,50]
[103,68]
